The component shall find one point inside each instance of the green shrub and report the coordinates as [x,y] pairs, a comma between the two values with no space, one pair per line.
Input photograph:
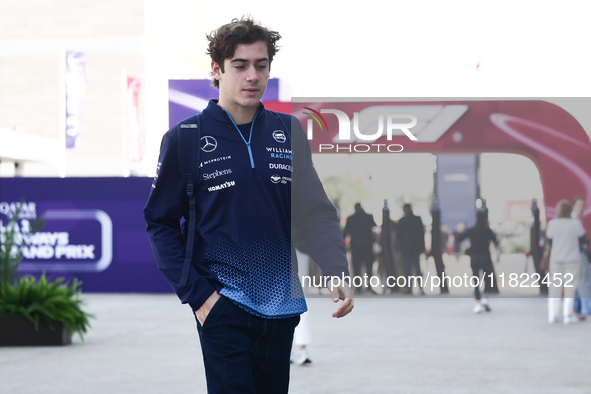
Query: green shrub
[36,299]
[11,243]
[10,253]
[48,300]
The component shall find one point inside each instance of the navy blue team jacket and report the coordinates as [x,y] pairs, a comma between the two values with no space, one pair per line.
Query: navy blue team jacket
[246,204]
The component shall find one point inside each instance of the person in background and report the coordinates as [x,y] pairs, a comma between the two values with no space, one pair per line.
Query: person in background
[389,252]
[302,335]
[359,227]
[411,238]
[563,233]
[480,261]
[583,293]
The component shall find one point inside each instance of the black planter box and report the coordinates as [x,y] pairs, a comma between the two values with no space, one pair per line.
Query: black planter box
[17,330]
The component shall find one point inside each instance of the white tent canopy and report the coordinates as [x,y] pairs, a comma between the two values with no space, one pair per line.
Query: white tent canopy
[22,147]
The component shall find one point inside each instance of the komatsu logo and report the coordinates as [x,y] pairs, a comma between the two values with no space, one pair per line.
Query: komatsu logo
[222,186]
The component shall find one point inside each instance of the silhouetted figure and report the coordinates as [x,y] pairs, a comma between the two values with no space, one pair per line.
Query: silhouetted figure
[583,292]
[411,239]
[359,228]
[564,234]
[480,238]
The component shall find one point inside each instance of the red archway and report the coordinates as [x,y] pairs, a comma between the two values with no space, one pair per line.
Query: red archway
[547,134]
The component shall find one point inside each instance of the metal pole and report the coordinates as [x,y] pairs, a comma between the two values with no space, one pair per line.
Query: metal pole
[535,249]
[495,287]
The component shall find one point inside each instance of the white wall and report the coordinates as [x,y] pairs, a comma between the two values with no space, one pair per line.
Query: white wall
[149,39]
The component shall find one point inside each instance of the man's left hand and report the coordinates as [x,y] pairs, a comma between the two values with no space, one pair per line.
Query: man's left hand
[345,293]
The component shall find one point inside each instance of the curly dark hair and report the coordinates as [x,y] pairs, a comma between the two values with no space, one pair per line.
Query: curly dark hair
[224,40]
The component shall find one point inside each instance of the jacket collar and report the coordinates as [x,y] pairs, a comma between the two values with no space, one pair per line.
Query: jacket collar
[216,112]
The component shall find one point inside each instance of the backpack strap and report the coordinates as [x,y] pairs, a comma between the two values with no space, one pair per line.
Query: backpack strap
[189,135]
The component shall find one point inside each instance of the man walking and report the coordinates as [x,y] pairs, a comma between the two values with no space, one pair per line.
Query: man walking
[411,235]
[359,227]
[241,283]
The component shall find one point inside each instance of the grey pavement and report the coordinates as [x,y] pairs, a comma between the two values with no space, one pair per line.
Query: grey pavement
[434,344]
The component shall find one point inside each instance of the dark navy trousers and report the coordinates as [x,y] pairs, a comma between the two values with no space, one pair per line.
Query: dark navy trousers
[481,262]
[244,353]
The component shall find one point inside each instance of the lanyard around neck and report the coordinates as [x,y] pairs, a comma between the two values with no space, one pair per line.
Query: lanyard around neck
[249,136]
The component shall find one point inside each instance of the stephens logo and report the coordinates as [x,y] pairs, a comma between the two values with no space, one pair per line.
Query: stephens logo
[279,136]
[217,173]
[208,144]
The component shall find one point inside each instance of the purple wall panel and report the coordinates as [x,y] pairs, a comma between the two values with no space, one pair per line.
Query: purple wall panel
[187,97]
[94,231]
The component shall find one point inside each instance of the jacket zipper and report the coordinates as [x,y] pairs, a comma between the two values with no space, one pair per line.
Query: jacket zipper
[249,137]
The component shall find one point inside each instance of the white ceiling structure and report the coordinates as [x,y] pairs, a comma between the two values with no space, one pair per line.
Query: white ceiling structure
[19,147]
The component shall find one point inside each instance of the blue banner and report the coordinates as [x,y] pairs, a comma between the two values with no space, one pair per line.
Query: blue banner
[94,230]
[75,91]
[456,189]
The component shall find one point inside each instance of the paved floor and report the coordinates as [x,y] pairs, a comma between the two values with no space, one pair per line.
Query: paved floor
[148,344]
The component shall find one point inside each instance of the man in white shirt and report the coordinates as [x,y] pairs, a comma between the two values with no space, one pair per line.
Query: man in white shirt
[564,233]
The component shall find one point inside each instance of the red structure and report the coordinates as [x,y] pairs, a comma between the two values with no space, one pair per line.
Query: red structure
[547,134]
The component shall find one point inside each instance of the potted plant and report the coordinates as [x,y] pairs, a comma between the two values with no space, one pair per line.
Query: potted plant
[35,312]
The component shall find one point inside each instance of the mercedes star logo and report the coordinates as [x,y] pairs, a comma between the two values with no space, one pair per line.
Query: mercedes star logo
[208,144]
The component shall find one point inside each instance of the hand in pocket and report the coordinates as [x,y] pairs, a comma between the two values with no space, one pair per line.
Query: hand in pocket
[207,306]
